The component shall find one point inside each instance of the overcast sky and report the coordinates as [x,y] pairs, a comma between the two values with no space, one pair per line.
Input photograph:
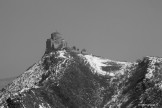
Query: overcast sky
[116,29]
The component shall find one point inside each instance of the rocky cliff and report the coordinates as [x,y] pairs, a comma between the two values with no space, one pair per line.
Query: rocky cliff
[64,78]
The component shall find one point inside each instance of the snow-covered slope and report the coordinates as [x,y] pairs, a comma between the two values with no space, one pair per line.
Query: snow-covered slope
[65,78]
[104,66]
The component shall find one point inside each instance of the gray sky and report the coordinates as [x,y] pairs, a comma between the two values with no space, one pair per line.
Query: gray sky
[116,29]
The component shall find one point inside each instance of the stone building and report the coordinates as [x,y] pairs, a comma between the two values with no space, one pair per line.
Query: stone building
[55,42]
[48,45]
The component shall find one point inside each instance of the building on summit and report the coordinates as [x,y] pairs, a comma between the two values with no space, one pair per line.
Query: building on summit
[55,42]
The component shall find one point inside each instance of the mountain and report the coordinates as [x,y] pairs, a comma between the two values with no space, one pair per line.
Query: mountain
[67,78]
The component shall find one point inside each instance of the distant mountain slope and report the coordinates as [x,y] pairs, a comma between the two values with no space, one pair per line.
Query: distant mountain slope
[65,78]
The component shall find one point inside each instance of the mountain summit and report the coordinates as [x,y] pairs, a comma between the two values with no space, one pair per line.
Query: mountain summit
[66,78]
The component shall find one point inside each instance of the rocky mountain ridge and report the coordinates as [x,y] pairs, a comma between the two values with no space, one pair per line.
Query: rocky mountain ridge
[65,78]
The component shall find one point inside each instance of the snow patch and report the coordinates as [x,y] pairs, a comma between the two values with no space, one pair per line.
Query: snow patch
[26,89]
[40,106]
[44,106]
[97,63]
[62,54]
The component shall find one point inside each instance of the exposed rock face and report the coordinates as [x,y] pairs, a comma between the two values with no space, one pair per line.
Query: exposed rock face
[65,79]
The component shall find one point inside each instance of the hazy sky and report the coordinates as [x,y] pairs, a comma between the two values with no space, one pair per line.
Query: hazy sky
[115,29]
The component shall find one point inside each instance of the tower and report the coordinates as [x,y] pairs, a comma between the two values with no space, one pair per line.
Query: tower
[48,45]
[56,42]
[55,35]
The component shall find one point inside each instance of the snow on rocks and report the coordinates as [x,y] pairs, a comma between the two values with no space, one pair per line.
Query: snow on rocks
[151,67]
[62,54]
[40,106]
[97,63]
[44,105]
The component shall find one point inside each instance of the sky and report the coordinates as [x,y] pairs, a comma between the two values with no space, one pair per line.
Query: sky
[123,30]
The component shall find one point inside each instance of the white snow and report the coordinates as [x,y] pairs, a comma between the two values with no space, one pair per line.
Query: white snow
[97,63]
[24,89]
[44,106]
[62,54]
[40,106]
[48,105]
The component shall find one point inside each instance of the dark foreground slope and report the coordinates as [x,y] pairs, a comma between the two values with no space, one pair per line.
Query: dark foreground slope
[68,79]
